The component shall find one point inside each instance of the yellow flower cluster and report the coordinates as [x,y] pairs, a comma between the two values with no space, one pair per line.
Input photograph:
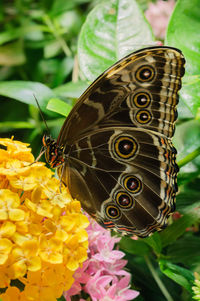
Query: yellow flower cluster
[42,230]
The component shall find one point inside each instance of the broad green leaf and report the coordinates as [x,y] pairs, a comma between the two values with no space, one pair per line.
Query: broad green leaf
[59,106]
[154,241]
[136,247]
[112,30]
[24,91]
[12,54]
[71,89]
[186,250]
[184,33]
[175,230]
[180,275]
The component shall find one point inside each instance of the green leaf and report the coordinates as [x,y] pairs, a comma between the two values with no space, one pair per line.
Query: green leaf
[175,230]
[24,91]
[51,49]
[154,241]
[180,275]
[59,106]
[71,89]
[186,140]
[112,30]
[187,200]
[12,54]
[30,30]
[8,125]
[142,278]
[186,249]
[59,6]
[10,35]
[184,113]
[187,38]
[71,22]
[136,247]
[187,176]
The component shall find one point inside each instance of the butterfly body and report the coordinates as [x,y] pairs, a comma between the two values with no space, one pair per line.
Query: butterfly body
[54,154]
[114,150]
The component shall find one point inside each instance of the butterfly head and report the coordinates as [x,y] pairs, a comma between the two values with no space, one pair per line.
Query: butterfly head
[54,153]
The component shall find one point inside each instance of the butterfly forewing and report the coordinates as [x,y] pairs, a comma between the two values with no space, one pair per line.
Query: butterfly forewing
[119,159]
[122,95]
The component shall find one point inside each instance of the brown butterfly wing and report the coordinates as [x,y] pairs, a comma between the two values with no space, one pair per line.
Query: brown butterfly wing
[120,162]
[115,97]
[99,176]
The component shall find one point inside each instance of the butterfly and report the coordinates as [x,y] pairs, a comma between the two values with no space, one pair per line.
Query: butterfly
[114,151]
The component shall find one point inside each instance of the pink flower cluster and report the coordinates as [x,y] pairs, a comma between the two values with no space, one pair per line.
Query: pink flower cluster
[102,276]
[158,15]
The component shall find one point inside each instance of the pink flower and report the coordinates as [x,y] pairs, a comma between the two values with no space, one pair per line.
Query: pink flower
[106,252]
[80,277]
[116,268]
[95,285]
[158,15]
[104,288]
[102,276]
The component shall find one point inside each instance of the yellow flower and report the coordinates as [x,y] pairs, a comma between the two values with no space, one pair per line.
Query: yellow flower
[51,249]
[29,177]
[7,229]
[75,258]
[48,283]
[13,293]
[42,230]
[5,248]
[9,203]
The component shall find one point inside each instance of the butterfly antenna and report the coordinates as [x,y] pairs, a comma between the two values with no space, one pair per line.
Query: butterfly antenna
[41,114]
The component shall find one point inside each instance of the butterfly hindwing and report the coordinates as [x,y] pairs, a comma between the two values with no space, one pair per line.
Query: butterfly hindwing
[124,165]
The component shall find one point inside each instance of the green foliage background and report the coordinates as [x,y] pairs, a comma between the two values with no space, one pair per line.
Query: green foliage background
[41,43]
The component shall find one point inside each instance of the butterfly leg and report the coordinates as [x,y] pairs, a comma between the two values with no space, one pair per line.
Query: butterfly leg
[42,151]
[61,176]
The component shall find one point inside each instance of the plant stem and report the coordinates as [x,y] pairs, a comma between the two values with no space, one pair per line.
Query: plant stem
[75,70]
[189,157]
[57,35]
[158,280]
